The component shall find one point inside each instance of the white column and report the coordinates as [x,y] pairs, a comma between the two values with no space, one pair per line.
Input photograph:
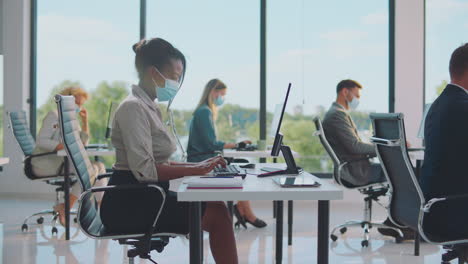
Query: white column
[409,64]
[1,27]
[16,49]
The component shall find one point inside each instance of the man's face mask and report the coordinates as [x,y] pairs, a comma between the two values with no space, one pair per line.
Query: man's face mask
[354,102]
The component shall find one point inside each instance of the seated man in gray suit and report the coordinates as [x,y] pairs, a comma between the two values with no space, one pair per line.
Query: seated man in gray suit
[343,137]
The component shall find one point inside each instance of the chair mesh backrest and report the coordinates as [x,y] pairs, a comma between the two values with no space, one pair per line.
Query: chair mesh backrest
[76,153]
[323,139]
[19,126]
[406,194]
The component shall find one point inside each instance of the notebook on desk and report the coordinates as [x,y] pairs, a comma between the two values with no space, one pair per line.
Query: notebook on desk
[214,183]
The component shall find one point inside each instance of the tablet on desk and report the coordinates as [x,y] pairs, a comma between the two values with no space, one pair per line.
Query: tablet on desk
[290,182]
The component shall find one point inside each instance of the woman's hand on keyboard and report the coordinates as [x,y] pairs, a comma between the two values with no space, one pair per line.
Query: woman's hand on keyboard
[208,165]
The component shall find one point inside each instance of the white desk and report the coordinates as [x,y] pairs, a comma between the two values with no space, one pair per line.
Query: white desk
[416,155]
[262,189]
[4,161]
[230,153]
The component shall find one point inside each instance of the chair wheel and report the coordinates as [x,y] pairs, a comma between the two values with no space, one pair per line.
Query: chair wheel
[24,227]
[343,230]
[75,220]
[365,243]
[333,237]
[40,220]
[54,231]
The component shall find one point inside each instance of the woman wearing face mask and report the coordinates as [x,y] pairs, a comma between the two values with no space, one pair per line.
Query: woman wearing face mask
[48,140]
[143,147]
[203,143]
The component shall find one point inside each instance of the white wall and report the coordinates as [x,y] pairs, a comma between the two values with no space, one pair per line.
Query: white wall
[16,47]
[409,64]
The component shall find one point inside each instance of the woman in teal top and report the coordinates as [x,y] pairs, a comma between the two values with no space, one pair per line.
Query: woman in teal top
[203,143]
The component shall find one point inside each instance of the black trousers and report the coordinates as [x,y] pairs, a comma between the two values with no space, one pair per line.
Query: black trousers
[133,210]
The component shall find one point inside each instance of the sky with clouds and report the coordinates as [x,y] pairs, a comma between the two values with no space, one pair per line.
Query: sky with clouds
[313,44]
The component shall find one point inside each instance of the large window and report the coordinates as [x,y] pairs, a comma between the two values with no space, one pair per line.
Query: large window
[446,23]
[220,40]
[1,106]
[86,43]
[314,45]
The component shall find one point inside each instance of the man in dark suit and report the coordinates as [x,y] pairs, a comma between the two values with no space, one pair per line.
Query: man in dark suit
[445,169]
[343,137]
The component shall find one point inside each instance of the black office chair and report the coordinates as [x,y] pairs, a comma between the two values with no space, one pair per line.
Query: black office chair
[88,213]
[372,192]
[408,207]
[19,126]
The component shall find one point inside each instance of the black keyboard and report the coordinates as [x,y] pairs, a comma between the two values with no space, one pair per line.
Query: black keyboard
[249,147]
[230,170]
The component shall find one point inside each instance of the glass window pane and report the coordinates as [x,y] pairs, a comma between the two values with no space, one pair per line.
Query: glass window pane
[315,44]
[86,43]
[1,106]
[445,20]
[220,43]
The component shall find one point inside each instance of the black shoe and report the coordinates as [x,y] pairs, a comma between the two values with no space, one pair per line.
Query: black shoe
[240,218]
[258,223]
[408,234]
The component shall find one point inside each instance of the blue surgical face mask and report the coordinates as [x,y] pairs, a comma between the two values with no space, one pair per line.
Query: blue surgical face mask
[169,91]
[353,104]
[77,108]
[219,101]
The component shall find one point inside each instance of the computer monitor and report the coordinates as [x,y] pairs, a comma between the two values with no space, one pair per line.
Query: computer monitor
[278,146]
[275,120]
[108,132]
[110,119]
[423,121]
[278,136]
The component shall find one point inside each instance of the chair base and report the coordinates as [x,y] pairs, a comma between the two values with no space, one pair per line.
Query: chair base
[157,243]
[40,219]
[366,226]
[455,252]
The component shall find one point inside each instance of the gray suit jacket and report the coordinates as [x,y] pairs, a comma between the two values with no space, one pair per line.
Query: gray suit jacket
[341,133]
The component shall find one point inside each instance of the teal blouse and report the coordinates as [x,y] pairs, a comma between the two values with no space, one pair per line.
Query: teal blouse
[202,138]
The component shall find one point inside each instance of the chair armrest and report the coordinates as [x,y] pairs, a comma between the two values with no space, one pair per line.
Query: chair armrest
[385,142]
[114,188]
[433,201]
[356,160]
[415,149]
[150,206]
[42,154]
[104,175]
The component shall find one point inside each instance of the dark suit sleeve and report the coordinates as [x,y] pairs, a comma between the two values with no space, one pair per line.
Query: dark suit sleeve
[344,133]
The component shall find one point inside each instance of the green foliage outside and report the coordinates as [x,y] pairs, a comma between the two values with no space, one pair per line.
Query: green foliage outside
[234,123]
[97,107]
[440,88]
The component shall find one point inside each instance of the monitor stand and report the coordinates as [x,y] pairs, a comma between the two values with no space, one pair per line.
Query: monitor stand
[290,162]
